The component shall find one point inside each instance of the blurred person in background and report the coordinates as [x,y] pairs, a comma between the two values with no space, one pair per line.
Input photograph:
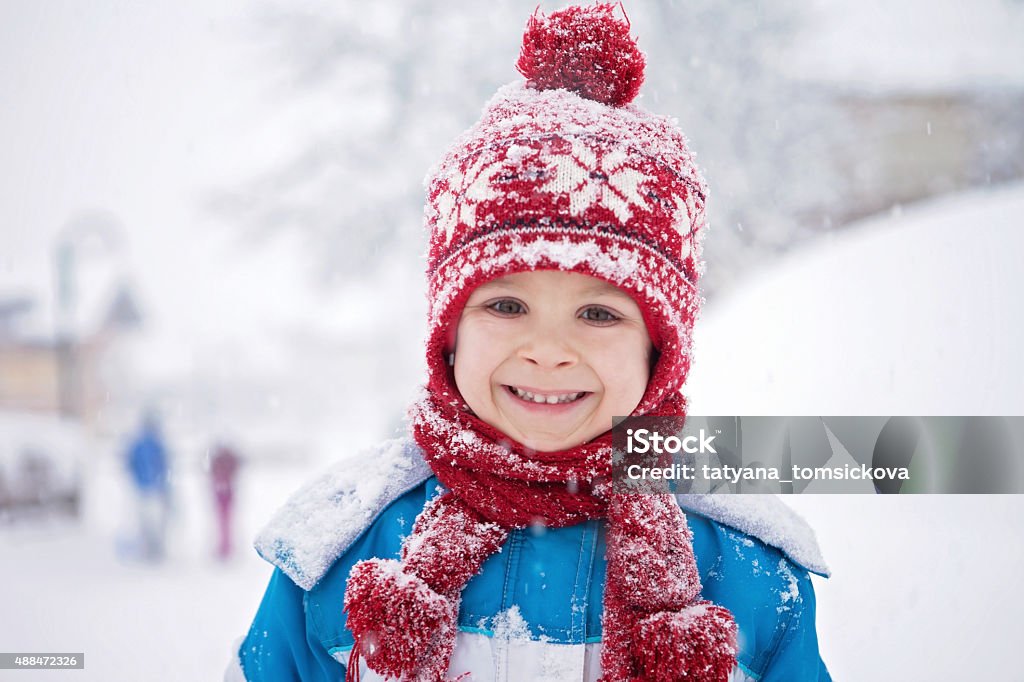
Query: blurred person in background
[223,468]
[146,460]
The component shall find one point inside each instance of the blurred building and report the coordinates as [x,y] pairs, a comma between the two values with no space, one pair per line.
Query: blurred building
[41,373]
[909,100]
[892,148]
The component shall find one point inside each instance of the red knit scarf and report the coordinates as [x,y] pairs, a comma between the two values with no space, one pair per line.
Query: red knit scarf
[655,627]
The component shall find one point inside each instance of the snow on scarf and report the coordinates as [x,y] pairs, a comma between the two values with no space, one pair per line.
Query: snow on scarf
[403,613]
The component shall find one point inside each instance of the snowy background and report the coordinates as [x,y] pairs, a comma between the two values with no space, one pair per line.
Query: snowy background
[251,174]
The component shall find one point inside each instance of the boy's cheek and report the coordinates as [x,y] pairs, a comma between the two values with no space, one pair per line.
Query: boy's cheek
[470,328]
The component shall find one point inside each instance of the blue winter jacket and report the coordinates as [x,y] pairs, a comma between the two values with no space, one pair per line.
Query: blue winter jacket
[534,610]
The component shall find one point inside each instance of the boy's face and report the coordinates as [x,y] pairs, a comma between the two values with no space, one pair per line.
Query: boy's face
[549,357]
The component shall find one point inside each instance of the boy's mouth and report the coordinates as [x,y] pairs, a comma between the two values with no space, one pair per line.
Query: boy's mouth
[546,397]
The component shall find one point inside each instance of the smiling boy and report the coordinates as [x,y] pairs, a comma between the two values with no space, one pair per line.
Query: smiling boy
[549,357]
[562,270]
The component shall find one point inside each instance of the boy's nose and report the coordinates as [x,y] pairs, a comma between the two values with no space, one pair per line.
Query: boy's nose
[547,352]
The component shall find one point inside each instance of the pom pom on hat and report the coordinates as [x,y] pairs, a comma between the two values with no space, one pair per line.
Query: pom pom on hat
[583,49]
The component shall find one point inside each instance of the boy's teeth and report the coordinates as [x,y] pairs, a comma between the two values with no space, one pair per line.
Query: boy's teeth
[549,399]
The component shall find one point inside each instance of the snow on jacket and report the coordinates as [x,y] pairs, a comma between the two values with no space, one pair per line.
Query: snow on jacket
[534,610]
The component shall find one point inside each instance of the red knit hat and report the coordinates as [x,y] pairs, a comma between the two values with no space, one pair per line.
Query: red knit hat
[562,172]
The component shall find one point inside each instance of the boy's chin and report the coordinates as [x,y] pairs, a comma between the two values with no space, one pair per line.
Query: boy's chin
[551,443]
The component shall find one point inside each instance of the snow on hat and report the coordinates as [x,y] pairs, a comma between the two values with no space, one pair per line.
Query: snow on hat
[563,172]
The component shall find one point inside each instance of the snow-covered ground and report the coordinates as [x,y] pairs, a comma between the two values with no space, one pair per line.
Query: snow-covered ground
[924,587]
[68,588]
[914,313]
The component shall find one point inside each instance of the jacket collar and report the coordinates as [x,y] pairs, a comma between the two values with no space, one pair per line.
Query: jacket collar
[355,491]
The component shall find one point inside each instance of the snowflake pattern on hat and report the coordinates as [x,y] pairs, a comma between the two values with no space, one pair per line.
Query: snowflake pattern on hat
[457,204]
[590,177]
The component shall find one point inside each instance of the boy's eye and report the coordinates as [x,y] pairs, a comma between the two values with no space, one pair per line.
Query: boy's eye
[506,306]
[600,315]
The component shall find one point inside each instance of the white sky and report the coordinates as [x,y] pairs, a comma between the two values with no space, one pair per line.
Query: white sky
[911,44]
[140,108]
[129,107]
